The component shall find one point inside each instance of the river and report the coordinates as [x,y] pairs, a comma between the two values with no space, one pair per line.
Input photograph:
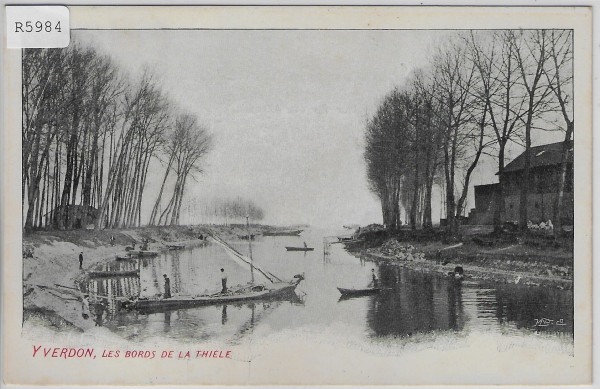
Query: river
[417,305]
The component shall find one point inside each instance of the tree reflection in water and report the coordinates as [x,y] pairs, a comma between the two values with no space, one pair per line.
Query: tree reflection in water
[421,302]
[415,302]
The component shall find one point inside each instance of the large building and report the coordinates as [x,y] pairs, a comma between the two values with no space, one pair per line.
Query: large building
[543,188]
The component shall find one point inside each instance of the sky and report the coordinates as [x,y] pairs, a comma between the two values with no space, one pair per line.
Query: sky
[287,110]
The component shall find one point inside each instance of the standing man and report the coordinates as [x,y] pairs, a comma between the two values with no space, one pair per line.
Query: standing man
[374,277]
[81,260]
[223,281]
[85,306]
[99,310]
[167,287]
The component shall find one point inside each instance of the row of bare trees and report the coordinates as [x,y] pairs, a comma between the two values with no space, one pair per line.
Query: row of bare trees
[234,210]
[90,135]
[482,91]
[222,210]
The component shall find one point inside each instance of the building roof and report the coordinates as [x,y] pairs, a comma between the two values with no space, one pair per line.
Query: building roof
[541,156]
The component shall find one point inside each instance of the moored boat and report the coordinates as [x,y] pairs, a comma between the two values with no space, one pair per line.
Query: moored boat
[358,292]
[283,233]
[176,246]
[113,273]
[256,292]
[148,253]
[288,248]
[272,288]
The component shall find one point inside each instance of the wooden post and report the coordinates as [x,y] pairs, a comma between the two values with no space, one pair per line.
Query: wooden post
[250,248]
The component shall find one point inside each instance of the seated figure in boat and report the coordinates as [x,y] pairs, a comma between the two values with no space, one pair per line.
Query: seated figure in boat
[458,273]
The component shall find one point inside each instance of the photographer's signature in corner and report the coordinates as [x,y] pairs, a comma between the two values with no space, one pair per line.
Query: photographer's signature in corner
[545,322]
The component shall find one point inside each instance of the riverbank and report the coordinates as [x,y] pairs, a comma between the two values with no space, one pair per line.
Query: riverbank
[510,261]
[51,274]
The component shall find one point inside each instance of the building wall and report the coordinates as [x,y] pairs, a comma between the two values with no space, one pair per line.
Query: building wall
[484,196]
[540,207]
[542,185]
[542,180]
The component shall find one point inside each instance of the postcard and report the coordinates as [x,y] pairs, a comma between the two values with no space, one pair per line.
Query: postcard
[251,195]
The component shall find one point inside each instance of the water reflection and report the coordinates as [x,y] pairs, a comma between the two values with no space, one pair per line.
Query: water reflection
[413,302]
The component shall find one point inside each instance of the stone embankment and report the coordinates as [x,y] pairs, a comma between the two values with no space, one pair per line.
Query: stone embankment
[525,269]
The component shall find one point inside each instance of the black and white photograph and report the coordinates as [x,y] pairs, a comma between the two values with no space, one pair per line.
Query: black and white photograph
[271,200]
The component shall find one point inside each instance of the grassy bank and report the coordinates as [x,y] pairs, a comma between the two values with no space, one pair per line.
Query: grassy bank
[532,260]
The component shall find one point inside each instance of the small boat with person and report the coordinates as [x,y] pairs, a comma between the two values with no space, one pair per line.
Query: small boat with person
[248,293]
[272,287]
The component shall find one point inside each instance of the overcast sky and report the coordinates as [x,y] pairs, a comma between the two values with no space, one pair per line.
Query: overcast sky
[287,110]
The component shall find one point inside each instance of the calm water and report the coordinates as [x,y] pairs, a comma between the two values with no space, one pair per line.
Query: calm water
[416,303]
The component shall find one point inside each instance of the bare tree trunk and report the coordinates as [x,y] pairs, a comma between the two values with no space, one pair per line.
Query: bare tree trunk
[499,194]
[564,159]
[525,176]
[463,196]
[162,187]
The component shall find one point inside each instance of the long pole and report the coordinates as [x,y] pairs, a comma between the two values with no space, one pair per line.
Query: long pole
[250,248]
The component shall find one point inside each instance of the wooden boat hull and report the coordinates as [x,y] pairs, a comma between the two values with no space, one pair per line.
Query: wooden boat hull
[276,290]
[113,273]
[358,292]
[299,248]
[283,233]
[148,253]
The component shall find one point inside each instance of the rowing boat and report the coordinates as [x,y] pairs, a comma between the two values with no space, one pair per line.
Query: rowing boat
[358,292]
[288,248]
[176,246]
[257,292]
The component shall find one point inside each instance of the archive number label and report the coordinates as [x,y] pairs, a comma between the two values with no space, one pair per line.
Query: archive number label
[37,27]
